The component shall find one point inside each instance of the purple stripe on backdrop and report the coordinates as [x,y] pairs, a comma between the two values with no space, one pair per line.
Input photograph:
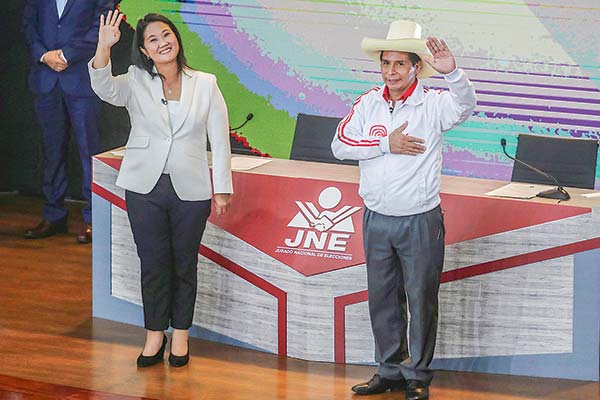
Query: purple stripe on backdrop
[258,18]
[511,83]
[210,3]
[528,96]
[532,118]
[539,129]
[536,96]
[501,71]
[360,59]
[207,14]
[275,19]
[539,85]
[555,109]
[210,25]
[518,61]
[533,107]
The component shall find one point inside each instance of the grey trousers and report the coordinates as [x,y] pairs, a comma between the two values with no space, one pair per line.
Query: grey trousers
[405,256]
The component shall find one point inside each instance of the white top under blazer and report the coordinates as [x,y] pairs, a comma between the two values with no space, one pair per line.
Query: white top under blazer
[152,140]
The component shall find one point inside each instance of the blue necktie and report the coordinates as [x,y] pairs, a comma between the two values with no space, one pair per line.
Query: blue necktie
[60,5]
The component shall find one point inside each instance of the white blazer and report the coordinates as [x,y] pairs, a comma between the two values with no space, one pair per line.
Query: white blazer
[152,140]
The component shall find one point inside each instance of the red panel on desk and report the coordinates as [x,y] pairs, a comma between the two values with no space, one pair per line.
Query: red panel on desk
[313,226]
[471,217]
[113,162]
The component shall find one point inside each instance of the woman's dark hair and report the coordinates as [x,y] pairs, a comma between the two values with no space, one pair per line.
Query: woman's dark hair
[414,58]
[139,59]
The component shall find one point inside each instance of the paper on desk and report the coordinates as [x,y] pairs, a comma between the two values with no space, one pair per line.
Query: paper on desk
[247,163]
[519,190]
[590,195]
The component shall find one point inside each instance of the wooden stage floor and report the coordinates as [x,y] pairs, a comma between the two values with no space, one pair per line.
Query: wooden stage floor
[51,347]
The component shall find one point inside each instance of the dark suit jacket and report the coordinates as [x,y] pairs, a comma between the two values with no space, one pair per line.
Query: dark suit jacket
[76,33]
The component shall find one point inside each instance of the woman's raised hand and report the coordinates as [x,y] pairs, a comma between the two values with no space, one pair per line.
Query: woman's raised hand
[109,33]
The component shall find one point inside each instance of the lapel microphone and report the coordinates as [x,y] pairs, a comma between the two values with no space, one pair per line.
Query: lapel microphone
[164,101]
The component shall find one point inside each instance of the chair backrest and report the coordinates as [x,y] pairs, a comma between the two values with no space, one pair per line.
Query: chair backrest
[312,139]
[571,161]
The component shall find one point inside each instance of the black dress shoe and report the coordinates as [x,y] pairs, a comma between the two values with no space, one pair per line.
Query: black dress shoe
[148,361]
[377,384]
[45,229]
[179,361]
[417,390]
[85,236]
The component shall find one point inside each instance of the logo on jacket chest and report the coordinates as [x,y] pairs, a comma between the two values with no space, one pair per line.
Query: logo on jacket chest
[378,131]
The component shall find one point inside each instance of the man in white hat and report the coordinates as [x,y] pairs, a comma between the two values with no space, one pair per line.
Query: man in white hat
[395,131]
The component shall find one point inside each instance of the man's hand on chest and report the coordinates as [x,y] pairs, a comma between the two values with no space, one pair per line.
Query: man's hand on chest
[401,143]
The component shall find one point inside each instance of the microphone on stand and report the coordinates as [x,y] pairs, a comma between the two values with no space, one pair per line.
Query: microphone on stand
[248,118]
[558,193]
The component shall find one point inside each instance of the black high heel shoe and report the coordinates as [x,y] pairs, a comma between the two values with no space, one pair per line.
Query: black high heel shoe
[148,361]
[179,361]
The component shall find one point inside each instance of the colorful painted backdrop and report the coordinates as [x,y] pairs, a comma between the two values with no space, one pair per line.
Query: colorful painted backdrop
[535,65]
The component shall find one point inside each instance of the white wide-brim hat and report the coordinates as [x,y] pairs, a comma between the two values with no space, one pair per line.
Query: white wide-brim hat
[402,36]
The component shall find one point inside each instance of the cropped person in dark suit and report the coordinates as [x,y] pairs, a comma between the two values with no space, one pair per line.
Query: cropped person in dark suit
[174,110]
[62,36]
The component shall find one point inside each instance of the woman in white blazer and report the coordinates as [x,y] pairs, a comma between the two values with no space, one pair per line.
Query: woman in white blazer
[165,174]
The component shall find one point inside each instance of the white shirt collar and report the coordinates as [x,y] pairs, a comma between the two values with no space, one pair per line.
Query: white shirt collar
[60,6]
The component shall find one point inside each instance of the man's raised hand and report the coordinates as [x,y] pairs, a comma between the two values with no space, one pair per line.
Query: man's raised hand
[442,59]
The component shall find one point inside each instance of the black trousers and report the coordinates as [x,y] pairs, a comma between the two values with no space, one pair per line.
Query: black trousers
[167,232]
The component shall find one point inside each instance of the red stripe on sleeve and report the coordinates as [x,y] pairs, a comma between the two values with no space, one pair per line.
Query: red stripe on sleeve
[353,142]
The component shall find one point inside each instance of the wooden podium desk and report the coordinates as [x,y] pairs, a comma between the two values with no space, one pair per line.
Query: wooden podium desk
[283,271]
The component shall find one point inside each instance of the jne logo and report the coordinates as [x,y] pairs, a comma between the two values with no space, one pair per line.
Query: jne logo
[322,229]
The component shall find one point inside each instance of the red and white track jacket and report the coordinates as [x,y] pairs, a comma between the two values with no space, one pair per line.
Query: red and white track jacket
[395,184]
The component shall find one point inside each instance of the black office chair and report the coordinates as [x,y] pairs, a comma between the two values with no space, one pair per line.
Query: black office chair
[571,161]
[312,139]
